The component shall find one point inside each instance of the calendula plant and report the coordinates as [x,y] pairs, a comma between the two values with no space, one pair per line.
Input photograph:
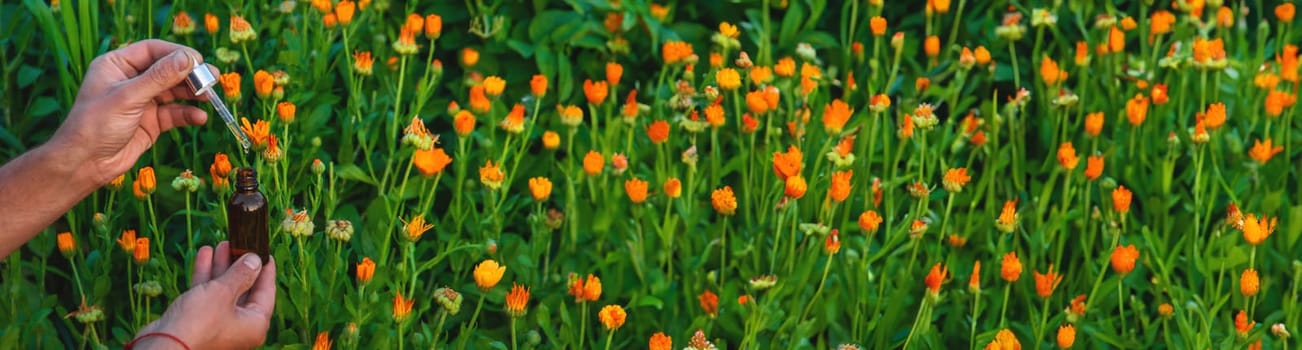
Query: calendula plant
[758,174]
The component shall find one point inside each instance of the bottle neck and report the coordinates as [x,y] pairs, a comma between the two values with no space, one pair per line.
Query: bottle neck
[246,180]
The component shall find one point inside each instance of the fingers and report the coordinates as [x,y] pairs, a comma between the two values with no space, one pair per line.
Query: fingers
[240,276]
[174,115]
[162,76]
[221,259]
[140,56]
[262,298]
[202,267]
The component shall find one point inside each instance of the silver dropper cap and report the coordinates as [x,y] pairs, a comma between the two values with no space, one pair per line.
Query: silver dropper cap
[200,79]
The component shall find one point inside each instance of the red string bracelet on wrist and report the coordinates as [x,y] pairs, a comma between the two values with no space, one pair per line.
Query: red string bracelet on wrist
[132,344]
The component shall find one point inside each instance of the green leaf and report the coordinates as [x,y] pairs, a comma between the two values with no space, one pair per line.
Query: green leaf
[525,49]
[43,106]
[27,75]
[1293,231]
[647,300]
[791,25]
[352,172]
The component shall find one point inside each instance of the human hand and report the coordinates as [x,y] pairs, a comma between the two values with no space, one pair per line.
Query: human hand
[125,104]
[217,313]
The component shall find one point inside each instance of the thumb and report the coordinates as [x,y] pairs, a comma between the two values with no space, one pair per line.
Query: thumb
[163,75]
[240,276]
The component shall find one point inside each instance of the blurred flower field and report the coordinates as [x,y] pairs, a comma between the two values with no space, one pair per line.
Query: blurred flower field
[756,174]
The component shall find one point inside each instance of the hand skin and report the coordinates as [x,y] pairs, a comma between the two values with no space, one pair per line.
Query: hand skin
[228,306]
[126,101]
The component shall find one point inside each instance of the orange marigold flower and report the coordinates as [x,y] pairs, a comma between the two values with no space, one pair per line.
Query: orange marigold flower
[1137,109]
[1116,40]
[286,111]
[211,23]
[430,162]
[329,20]
[755,102]
[955,179]
[514,121]
[1082,54]
[538,85]
[840,188]
[832,244]
[1160,23]
[127,241]
[931,46]
[1066,336]
[322,341]
[592,163]
[401,307]
[660,341]
[869,221]
[488,273]
[433,26]
[936,277]
[796,186]
[230,85]
[1007,220]
[517,300]
[788,164]
[1284,12]
[1121,199]
[1208,52]
[636,189]
[1249,283]
[363,62]
[1215,116]
[921,84]
[596,92]
[786,67]
[182,24]
[674,52]
[145,182]
[1067,156]
[1224,17]
[1277,100]
[1159,94]
[1094,124]
[406,43]
[1094,167]
[673,187]
[141,254]
[906,129]
[878,25]
[412,229]
[709,303]
[365,270]
[464,123]
[974,281]
[540,187]
[1242,323]
[982,55]
[1004,340]
[1011,268]
[491,175]
[714,115]
[1047,282]
[259,133]
[551,140]
[1123,259]
[469,57]
[1050,73]
[658,131]
[612,316]
[344,11]
[493,86]
[724,201]
[67,245]
[728,79]
[1256,230]
[220,170]
[760,75]
[241,30]
[835,116]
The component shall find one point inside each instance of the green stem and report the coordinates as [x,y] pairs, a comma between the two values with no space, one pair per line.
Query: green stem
[1004,309]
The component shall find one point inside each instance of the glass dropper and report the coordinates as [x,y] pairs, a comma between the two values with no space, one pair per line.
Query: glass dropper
[201,81]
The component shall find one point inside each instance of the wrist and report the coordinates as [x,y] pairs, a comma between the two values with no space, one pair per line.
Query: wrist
[157,340]
[67,160]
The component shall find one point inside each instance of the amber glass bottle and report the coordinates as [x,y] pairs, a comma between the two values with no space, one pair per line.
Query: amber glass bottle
[246,217]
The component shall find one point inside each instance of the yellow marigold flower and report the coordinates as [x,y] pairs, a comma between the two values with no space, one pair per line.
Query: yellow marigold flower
[1094,124]
[1047,282]
[1011,268]
[955,179]
[723,200]
[596,92]
[145,182]
[878,25]
[1243,324]
[796,187]
[116,183]
[840,188]
[788,164]
[728,79]
[1066,336]
[835,115]
[365,270]
[344,11]
[1249,283]
[488,273]
[593,162]
[416,227]
[936,277]
[673,187]
[1121,199]
[636,189]
[932,46]
[1137,109]
[401,307]
[1094,167]
[1123,259]
[491,175]
[1067,156]
[612,316]
[433,26]
[469,57]
[1007,220]
[869,221]
[540,188]
[1004,340]
[1263,151]
[494,85]
[128,241]
[551,140]
[517,300]
[786,67]
[974,281]
[660,341]
[430,162]
[728,30]
[1256,230]
[1050,73]
[141,254]
[67,245]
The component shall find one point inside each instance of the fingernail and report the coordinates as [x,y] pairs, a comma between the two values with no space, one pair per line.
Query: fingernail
[181,60]
[252,261]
